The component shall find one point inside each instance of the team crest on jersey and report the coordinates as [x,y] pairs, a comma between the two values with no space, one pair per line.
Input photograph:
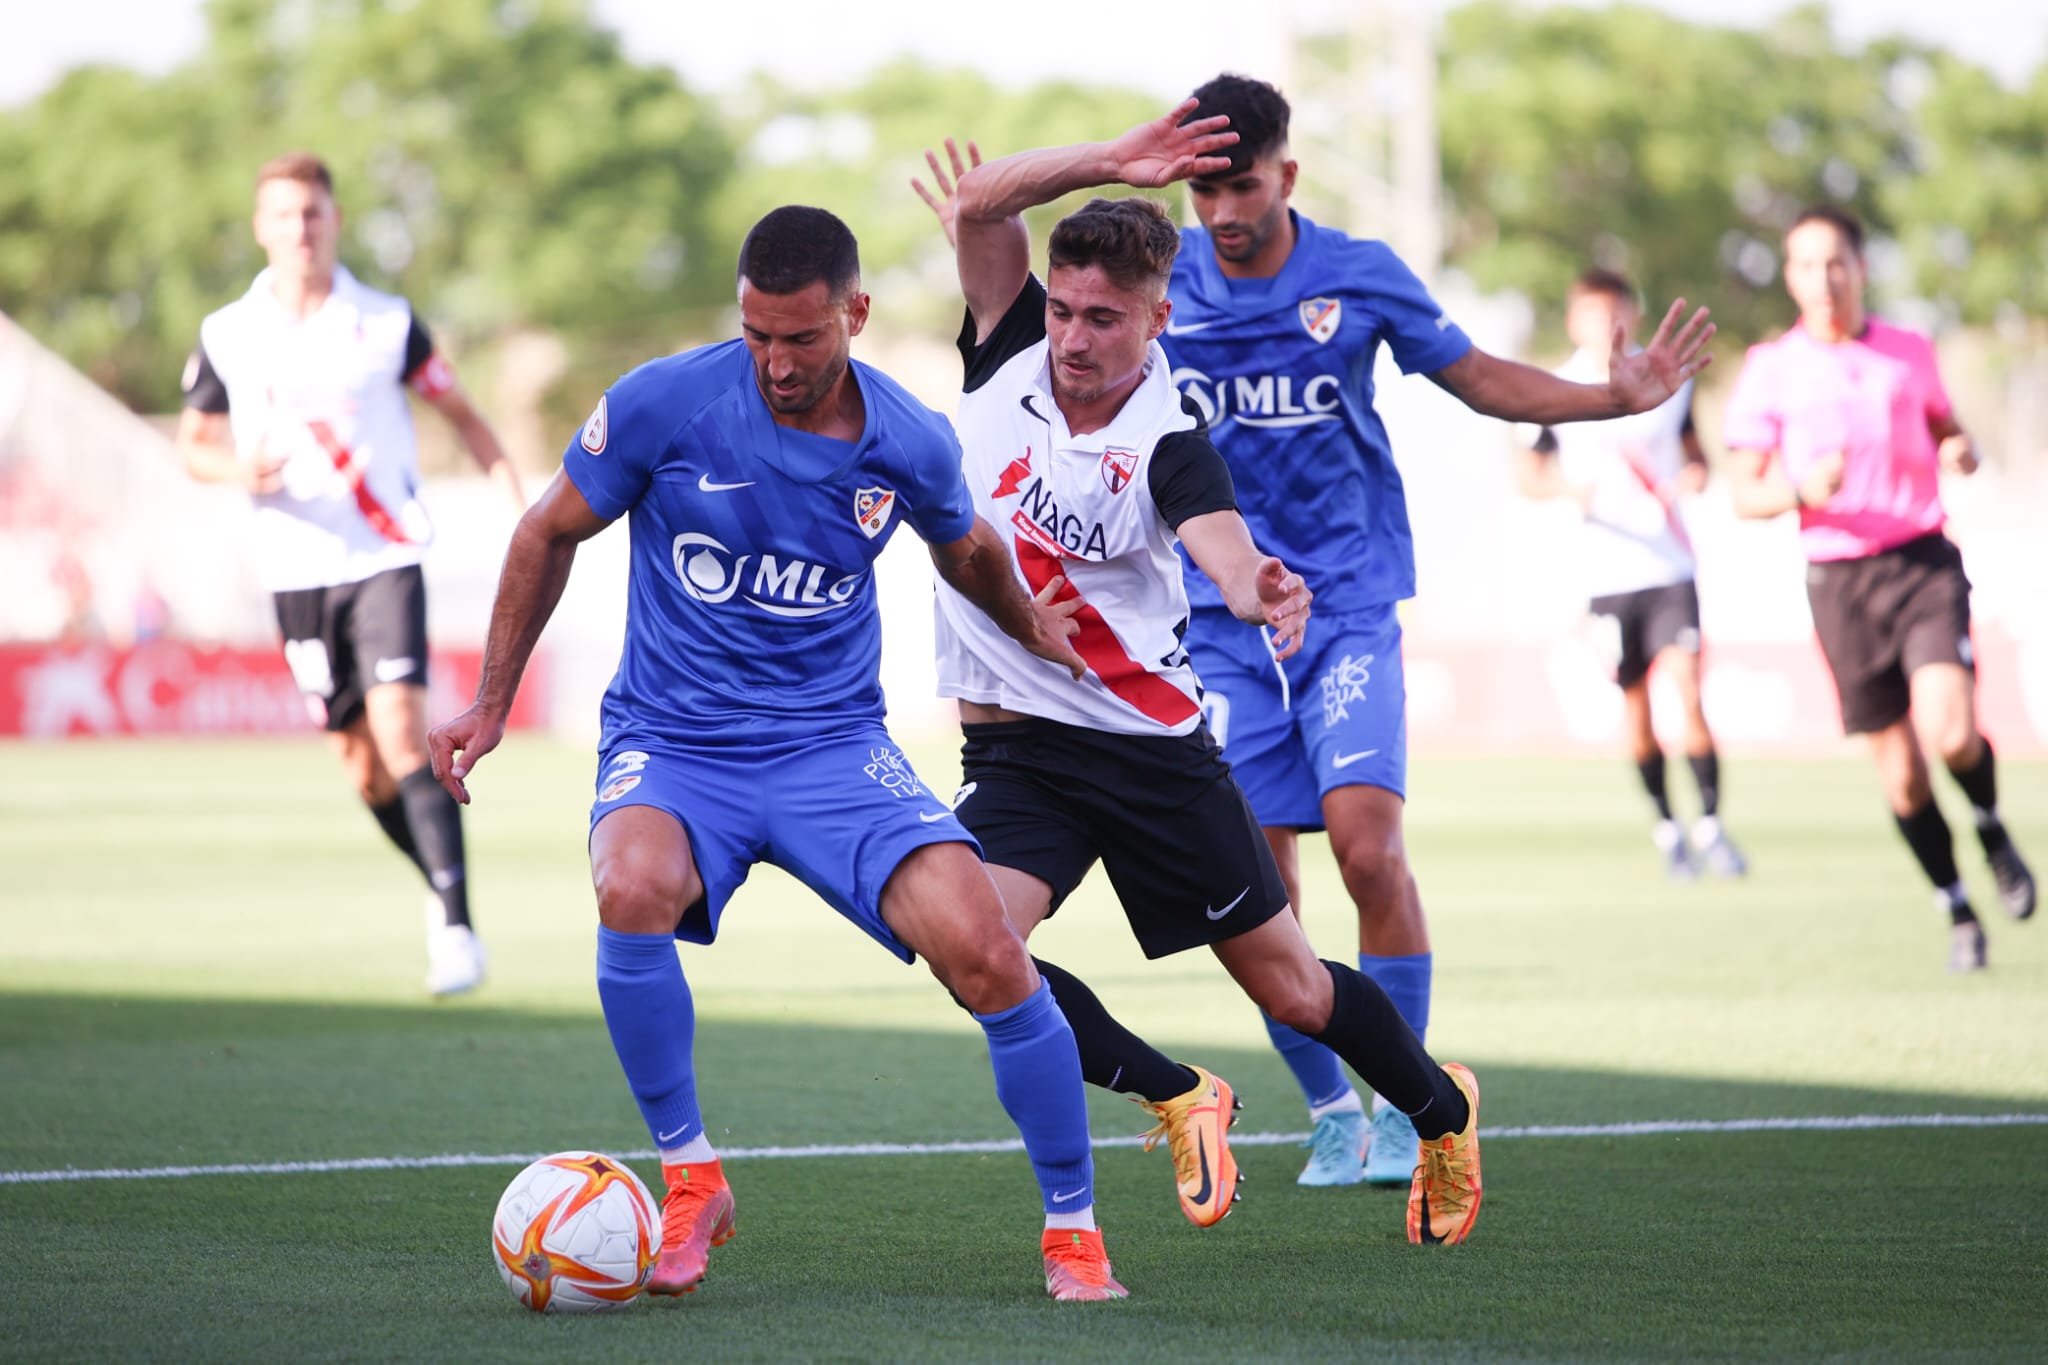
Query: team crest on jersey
[871,508]
[1321,316]
[596,429]
[1117,468]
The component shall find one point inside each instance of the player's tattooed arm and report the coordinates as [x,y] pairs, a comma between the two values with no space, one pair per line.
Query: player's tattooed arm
[1257,587]
[991,242]
[977,566]
[536,570]
[1636,380]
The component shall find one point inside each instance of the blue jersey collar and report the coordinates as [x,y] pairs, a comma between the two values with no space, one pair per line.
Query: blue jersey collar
[763,434]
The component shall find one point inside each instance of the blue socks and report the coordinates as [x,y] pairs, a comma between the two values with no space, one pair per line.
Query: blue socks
[1038,1080]
[1406,982]
[653,1024]
[1316,1069]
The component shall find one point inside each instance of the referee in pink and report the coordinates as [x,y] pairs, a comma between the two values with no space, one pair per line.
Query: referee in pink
[1844,418]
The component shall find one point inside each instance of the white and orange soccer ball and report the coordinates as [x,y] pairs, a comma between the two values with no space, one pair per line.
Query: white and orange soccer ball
[575,1232]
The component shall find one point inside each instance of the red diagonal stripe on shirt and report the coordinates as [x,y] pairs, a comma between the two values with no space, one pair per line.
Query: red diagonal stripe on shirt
[380,518]
[1099,647]
[1671,519]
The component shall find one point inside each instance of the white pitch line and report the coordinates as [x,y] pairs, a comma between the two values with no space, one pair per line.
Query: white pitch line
[1650,1128]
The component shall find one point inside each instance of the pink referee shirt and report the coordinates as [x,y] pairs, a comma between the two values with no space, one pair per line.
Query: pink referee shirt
[1870,398]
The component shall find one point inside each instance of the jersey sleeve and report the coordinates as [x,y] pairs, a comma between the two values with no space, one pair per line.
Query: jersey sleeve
[204,391]
[1021,328]
[1417,330]
[1754,421]
[941,510]
[612,459]
[425,372]
[1188,478]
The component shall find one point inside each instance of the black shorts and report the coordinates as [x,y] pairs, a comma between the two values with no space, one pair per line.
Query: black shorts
[1652,621]
[344,640]
[1884,616]
[1181,846]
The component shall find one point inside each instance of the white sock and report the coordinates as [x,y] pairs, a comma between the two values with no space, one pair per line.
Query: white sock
[1706,831]
[1080,1220]
[697,1149]
[1346,1103]
[1949,897]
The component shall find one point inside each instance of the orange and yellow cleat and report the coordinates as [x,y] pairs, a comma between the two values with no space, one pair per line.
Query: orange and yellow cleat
[1443,1196]
[1196,1126]
[696,1215]
[1077,1267]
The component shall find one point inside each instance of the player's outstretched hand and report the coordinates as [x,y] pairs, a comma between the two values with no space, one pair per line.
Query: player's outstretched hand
[942,204]
[1641,381]
[454,748]
[1056,627]
[1958,456]
[1165,150]
[1285,598]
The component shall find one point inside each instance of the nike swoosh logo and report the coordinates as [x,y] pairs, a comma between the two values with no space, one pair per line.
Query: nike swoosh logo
[929,816]
[1181,329]
[1201,1196]
[704,484]
[1346,760]
[671,1137]
[1071,1194]
[1219,914]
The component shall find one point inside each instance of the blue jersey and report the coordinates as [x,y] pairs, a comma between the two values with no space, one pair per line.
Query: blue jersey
[1283,369]
[750,614]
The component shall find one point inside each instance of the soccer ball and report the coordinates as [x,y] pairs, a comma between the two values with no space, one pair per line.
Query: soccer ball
[575,1232]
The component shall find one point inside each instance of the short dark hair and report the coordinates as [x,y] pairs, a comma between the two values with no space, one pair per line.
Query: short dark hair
[1131,239]
[1258,115]
[794,247]
[1836,217]
[303,167]
[1600,280]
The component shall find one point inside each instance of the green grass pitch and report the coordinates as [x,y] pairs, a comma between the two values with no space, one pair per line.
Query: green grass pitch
[207,955]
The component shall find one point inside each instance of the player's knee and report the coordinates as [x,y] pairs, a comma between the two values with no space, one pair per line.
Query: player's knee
[990,974]
[1953,737]
[1297,1004]
[633,898]
[1375,873]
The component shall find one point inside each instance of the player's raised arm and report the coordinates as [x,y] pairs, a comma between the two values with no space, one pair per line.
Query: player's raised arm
[536,570]
[1636,381]
[945,203]
[977,566]
[991,242]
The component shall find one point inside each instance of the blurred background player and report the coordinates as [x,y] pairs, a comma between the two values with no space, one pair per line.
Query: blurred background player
[1276,323]
[1845,419]
[296,393]
[745,723]
[1635,559]
[1080,448]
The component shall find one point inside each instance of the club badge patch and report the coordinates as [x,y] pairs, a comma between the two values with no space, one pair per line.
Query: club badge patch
[618,787]
[596,429]
[871,508]
[1321,317]
[1117,468]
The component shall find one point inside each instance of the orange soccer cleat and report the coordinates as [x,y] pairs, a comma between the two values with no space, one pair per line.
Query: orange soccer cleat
[696,1215]
[1077,1268]
[1443,1197]
[1196,1126]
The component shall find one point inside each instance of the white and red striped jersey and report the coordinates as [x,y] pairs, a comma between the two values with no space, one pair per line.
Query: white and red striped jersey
[1099,510]
[327,394]
[1634,537]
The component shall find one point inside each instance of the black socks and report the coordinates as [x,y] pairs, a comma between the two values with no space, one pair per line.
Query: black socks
[1706,771]
[1652,769]
[1926,832]
[436,824]
[1112,1056]
[1375,1041]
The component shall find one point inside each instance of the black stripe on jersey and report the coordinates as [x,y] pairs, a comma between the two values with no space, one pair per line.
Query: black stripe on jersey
[1021,328]
[419,349]
[1188,478]
[204,391]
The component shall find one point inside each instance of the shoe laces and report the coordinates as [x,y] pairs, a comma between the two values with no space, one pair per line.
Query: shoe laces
[682,1207]
[1173,1129]
[1332,1142]
[1080,1256]
[1446,1173]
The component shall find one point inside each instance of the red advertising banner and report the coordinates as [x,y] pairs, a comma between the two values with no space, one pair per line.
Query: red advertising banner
[171,687]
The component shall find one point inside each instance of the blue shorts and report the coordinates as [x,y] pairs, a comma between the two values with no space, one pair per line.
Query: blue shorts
[1334,715]
[838,813]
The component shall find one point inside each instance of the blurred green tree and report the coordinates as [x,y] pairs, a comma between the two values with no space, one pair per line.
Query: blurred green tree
[499,162]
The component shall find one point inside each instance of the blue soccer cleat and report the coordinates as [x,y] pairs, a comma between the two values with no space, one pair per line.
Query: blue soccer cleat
[1394,1149]
[1335,1149]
